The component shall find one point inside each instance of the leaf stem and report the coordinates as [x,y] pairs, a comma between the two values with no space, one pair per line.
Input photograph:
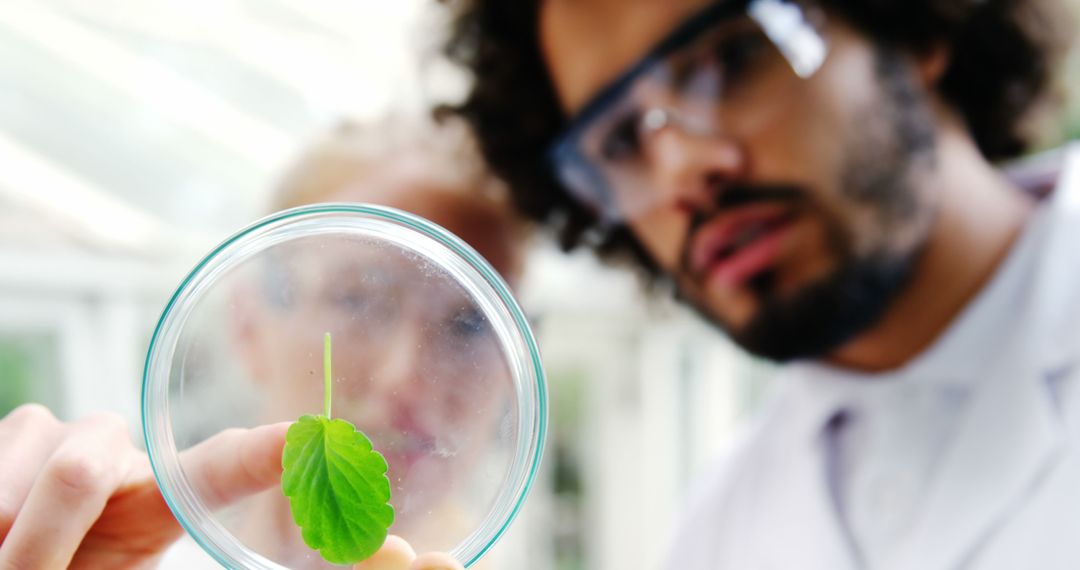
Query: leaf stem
[326,375]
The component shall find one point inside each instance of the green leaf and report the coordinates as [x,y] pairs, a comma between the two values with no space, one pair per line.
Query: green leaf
[337,488]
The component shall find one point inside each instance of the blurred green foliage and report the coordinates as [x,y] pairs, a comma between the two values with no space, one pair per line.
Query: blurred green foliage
[14,377]
[29,371]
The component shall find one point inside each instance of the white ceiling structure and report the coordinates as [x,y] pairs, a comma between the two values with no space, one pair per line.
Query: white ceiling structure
[140,125]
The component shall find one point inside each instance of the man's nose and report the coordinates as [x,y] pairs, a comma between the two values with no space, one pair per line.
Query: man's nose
[689,170]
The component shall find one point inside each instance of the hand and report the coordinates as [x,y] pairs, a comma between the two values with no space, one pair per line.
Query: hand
[396,554]
[80,495]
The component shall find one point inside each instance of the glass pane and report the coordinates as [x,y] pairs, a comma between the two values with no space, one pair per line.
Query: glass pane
[29,371]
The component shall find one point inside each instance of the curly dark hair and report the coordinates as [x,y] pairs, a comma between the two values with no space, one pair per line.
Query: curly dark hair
[1004,56]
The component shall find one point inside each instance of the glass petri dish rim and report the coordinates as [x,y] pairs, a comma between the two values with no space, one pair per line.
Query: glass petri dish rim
[530,449]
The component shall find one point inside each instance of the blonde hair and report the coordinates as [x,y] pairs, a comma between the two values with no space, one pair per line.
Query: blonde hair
[401,153]
[444,154]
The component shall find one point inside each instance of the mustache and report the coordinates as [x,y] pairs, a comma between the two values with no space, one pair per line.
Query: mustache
[737,195]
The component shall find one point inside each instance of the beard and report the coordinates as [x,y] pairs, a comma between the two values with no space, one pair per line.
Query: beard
[895,139]
[824,315]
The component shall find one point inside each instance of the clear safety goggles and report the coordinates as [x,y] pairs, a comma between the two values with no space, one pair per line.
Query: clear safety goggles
[724,72]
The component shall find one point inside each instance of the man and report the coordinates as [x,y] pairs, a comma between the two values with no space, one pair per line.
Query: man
[816,179]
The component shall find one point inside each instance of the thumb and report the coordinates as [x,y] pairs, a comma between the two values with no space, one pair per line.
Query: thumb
[395,554]
[436,561]
[235,463]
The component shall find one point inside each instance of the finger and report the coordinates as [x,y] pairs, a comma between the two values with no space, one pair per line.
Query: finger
[235,463]
[28,436]
[436,561]
[395,554]
[69,494]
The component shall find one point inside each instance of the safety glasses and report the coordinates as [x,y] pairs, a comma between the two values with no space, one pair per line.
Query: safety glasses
[724,72]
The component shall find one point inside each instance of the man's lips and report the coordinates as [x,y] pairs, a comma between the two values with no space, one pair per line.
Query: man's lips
[739,243]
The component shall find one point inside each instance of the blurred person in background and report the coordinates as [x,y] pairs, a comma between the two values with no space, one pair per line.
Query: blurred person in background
[418,367]
[819,179]
[114,515]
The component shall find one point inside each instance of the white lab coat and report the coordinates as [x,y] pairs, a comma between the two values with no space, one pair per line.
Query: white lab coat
[1006,492]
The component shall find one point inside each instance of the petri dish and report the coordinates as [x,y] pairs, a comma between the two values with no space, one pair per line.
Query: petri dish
[432,358]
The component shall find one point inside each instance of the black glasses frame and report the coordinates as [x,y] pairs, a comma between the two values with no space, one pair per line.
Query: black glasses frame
[680,37]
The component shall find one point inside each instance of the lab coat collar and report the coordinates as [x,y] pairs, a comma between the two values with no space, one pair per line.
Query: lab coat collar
[1011,433]
[791,519]
[1005,443]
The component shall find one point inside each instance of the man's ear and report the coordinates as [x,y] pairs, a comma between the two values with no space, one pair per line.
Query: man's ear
[931,64]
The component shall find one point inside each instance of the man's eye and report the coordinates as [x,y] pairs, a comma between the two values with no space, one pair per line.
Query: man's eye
[622,141]
[740,56]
